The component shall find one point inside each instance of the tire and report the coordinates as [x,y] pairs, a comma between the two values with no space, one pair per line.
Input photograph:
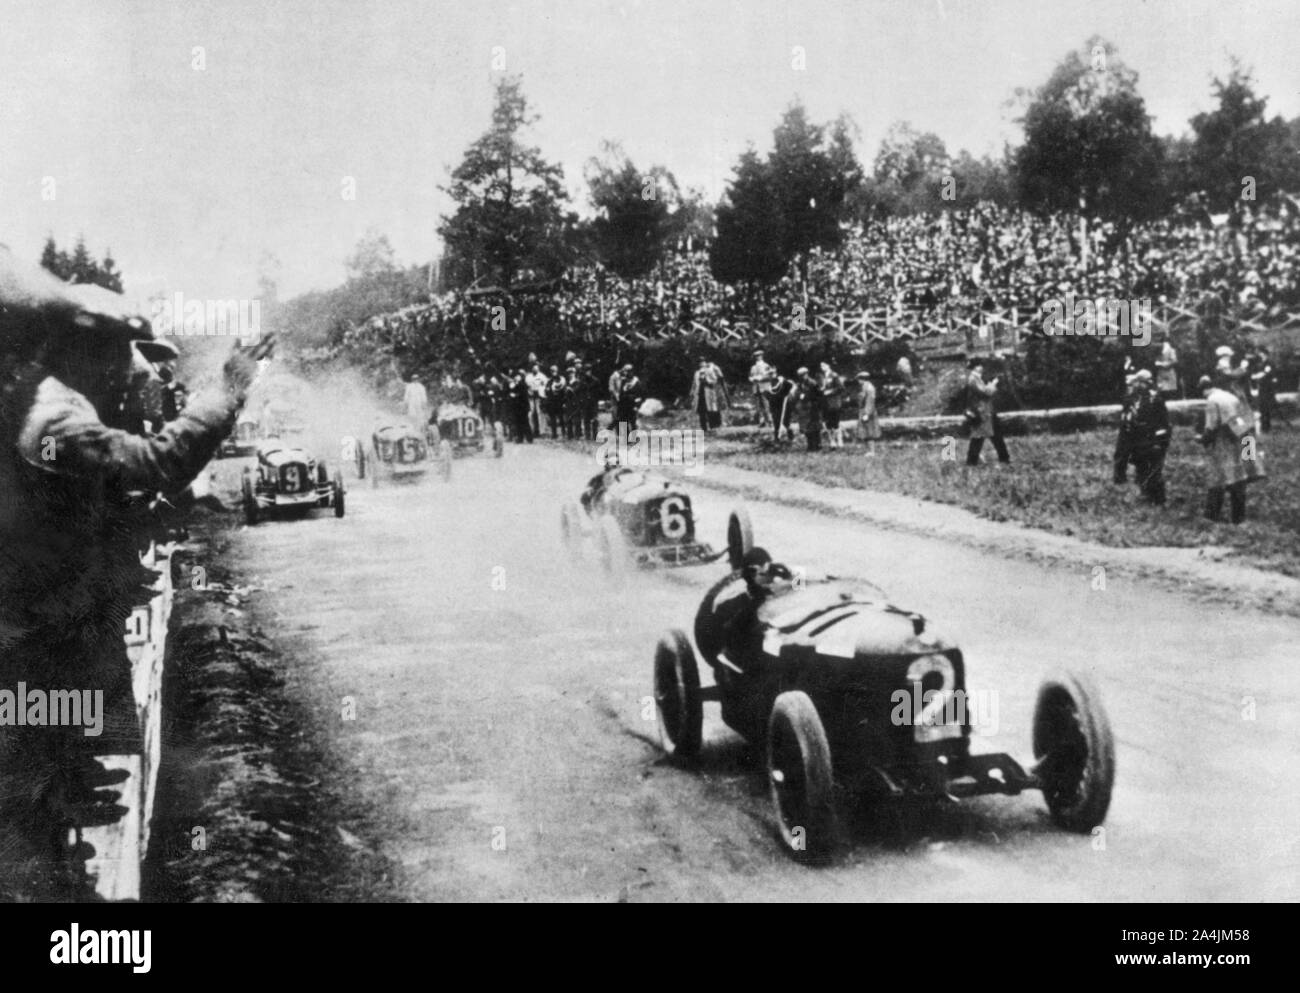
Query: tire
[571,530]
[498,440]
[1075,752]
[250,501]
[444,460]
[339,505]
[707,639]
[677,696]
[740,537]
[800,776]
[612,547]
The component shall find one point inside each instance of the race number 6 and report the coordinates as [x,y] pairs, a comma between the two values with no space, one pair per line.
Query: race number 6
[672,518]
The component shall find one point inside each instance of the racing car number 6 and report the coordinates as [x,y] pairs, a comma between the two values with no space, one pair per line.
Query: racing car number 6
[672,518]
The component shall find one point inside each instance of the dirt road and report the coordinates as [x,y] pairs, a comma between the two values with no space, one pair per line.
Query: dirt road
[494,698]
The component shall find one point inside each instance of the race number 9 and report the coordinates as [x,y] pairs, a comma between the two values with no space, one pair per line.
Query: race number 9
[931,723]
[672,518]
[293,478]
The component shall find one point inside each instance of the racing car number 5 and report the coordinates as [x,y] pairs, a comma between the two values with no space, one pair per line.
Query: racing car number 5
[931,722]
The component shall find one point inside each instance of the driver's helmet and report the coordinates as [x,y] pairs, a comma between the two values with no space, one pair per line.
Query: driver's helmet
[762,575]
[611,460]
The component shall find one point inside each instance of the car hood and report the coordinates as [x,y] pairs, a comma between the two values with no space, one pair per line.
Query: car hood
[844,622]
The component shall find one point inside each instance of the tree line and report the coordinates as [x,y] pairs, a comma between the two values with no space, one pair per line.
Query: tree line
[1088,149]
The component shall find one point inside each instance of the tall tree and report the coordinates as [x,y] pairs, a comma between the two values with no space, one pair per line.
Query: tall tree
[634,212]
[1088,145]
[1236,142]
[82,266]
[510,220]
[749,247]
[813,169]
[108,275]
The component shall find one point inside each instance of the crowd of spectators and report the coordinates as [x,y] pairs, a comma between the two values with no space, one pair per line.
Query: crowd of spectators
[947,266]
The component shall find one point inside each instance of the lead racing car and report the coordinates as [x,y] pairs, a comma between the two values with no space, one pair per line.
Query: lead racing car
[399,451]
[856,697]
[288,479]
[633,517]
[466,432]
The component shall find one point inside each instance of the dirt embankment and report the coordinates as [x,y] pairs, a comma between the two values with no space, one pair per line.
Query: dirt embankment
[251,807]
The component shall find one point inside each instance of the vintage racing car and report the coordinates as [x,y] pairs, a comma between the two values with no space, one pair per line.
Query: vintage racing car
[632,516]
[399,451]
[288,479]
[466,431]
[242,440]
[856,697]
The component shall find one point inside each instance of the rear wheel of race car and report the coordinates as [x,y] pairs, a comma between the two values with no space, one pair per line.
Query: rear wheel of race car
[498,439]
[677,696]
[612,547]
[444,460]
[740,537]
[799,772]
[1075,752]
[571,530]
[338,494]
[249,501]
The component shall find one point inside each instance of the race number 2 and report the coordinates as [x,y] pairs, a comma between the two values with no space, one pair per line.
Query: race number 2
[931,722]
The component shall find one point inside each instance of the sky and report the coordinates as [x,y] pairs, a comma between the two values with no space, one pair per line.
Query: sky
[194,138]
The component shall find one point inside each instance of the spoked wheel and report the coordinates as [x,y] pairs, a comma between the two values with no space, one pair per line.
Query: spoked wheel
[571,530]
[612,547]
[338,494]
[677,696]
[740,537]
[1075,752]
[799,772]
[249,500]
[444,460]
[498,439]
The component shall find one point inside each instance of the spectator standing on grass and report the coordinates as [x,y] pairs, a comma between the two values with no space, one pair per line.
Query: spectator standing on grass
[980,415]
[1167,369]
[708,395]
[1124,439]
[588,401]
[1232,373]
[832,387]
[520,406]
[629,397]
[1264,387]
[536,382]
[1232,457]
[556,387]
[780,395]
[868,416]
[760,373]
[1149,438]
[812,402]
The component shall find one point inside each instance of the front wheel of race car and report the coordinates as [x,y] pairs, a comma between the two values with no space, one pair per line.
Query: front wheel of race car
[1075,752]
[338,494]
[799,772]
[612,547]
[677,696]
[444,460]
[249,501]
[740,537]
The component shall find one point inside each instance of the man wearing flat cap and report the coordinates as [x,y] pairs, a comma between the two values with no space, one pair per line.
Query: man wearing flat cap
[66,458]
[760,373]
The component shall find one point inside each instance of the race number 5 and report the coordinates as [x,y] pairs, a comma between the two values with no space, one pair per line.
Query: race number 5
[672,518]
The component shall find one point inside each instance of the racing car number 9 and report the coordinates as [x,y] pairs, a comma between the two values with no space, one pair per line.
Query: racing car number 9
[672,518]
